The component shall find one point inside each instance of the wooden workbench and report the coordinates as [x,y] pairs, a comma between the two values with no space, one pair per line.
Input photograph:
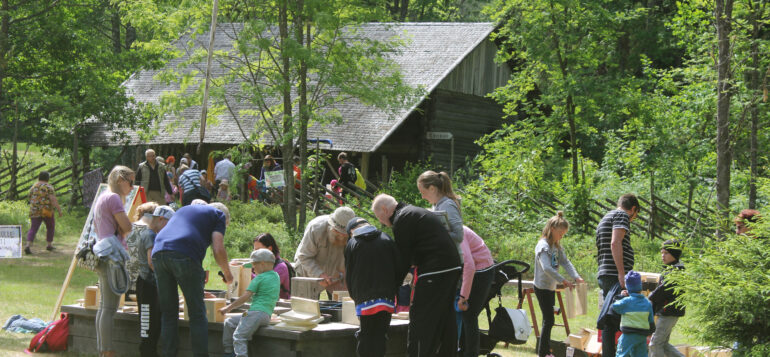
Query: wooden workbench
[326,340]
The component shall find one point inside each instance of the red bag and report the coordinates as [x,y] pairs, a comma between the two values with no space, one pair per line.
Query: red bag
[52,338]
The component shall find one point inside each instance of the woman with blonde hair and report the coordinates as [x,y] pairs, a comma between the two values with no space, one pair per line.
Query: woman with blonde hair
[436,188]
[111,225]
[548,256]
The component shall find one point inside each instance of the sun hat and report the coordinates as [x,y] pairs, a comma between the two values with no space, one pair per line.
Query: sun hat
[340,218]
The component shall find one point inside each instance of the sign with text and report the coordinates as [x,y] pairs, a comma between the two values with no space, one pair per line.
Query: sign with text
[10,241]
[274,179]
[438,135]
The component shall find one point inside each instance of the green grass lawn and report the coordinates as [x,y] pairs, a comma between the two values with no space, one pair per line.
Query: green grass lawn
[31,285]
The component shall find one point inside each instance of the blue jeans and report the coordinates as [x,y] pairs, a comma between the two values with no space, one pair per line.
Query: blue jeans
[238,330]
[172,269]
[608,336]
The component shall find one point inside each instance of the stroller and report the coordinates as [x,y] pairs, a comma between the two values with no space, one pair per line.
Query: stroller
[504,271]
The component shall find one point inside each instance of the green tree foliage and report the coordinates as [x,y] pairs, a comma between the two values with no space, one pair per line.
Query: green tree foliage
[627,89]
[292,62]
[62,64]
[725,290]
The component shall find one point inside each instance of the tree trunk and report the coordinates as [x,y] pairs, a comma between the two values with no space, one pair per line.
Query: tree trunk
[117,45]
[573,140]
[14,159]
[403,10]
[74,183]
[753,110]
[130,36]
[4,28]
[303,113]
[723,15]
[289,212]
[86,160]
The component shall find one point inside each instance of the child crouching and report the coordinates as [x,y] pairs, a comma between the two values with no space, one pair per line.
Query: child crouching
[637,319]
[263,293]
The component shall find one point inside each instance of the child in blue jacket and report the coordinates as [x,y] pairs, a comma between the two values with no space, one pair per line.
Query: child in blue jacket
[637,319]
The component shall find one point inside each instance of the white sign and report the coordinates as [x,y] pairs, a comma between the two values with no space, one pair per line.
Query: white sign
[274,179]
[570,352]
[438,135]
[10,241]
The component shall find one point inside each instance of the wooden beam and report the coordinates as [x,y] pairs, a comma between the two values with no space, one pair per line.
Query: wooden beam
[365,156]
[384,169]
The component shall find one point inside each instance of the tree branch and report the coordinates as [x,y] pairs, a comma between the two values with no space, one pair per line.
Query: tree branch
[32,16]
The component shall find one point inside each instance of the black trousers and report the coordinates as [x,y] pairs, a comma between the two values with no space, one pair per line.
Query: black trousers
[432,318]
[149,317]
[373,334]
[546,299]
[482,281]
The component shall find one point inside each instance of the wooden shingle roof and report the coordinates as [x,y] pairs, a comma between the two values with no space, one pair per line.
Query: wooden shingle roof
[431,52]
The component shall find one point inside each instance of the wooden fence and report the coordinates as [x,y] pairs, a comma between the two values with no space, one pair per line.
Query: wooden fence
[658,218]
[60,179]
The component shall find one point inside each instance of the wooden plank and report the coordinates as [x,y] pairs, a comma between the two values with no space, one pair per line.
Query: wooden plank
[305,287]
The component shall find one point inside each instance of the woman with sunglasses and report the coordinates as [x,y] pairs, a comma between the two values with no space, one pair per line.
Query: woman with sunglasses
[111,224]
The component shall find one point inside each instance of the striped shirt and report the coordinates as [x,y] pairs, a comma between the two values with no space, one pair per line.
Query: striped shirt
[613,220]
[189,180]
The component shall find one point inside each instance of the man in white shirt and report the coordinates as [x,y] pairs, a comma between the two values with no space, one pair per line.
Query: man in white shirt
[223,170]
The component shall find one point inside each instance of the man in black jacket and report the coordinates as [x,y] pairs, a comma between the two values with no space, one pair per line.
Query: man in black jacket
[371,259]
[424,242]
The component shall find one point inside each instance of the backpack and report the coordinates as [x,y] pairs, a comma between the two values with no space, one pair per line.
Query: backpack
[510,325]
[360,181]
[292,273]
[52,338]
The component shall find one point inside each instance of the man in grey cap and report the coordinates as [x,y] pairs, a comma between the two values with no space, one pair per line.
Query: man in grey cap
[321,252]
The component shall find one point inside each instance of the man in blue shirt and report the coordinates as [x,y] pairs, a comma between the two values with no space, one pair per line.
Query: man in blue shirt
[177,258]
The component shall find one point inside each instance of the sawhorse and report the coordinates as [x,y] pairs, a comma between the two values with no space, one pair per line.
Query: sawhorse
[528,288]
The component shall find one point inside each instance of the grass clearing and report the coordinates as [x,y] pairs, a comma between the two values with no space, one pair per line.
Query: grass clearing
[31,285]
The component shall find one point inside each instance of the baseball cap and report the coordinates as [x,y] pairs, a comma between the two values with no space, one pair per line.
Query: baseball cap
[262,255]
[163,211]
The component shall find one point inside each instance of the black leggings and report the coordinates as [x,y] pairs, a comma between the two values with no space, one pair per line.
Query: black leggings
[546,299]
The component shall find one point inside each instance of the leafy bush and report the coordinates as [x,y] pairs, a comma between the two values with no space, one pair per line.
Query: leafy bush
[251,219]
[403,185]
[727,291]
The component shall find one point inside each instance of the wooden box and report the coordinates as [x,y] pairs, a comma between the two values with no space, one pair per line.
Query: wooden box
[349,313]
[93,298]
[212,307]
